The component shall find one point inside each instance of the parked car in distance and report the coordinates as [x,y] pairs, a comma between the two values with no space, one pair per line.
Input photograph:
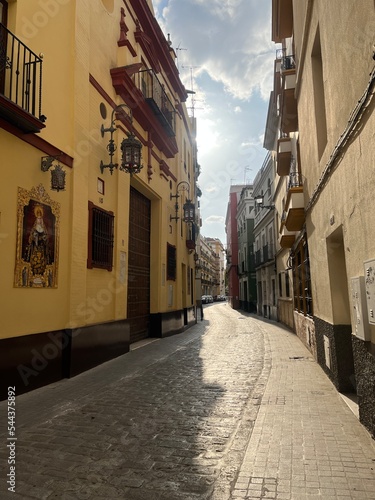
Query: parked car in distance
[219,298]
[207,299]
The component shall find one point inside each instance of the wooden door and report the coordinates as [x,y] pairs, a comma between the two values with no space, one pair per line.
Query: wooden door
[139,266]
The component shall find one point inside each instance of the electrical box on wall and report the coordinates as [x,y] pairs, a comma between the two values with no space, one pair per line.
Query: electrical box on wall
[369,266]
[359,308]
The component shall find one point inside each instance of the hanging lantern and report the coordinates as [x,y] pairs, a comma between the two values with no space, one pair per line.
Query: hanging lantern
[131,154]
[58,178]
[189,211]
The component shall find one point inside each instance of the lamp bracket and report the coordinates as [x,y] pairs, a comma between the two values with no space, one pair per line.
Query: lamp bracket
[46,162]
[111,146]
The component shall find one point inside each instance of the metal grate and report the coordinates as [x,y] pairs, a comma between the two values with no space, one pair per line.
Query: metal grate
[101,238]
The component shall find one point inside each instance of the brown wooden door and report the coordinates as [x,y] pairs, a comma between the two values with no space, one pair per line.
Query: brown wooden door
[139,266]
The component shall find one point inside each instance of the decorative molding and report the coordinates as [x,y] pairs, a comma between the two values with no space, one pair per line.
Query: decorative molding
[101,91]
[149,150]
[165,171]
[18,117]
[37,142]
[147,46]
[123,41]
[142,113]
[161,48]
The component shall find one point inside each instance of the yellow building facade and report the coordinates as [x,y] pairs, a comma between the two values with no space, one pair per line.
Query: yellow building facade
[105,258]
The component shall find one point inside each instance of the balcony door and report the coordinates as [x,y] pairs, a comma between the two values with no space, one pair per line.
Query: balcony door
[3,42]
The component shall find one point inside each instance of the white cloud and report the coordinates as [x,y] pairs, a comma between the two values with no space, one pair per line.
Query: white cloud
[228,62]
[215,219]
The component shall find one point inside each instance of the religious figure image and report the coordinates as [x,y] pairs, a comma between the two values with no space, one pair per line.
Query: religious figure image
[37,242]
[37,250]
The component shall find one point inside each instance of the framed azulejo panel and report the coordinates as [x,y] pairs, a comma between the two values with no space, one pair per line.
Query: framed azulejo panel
[38,221]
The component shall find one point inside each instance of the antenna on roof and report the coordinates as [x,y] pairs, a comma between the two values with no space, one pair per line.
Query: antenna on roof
[177,50]
[191,91]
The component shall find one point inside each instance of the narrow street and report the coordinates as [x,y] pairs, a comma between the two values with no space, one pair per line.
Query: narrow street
[234,407]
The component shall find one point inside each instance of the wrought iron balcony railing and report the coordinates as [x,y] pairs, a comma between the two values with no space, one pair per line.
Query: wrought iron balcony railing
[295,180]
[157,99]
[258,258]
[20,78]
[288,62]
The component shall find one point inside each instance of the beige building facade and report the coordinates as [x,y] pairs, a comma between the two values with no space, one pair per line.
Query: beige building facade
[333,255]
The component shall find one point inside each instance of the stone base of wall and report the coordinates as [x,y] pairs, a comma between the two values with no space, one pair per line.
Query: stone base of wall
[305,330]
[335,353]
[285,313]
[32,361]
[364,365]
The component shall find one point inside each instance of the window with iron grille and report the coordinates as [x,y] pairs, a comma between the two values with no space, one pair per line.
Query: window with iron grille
[302,279]
[171,262]
[101,237]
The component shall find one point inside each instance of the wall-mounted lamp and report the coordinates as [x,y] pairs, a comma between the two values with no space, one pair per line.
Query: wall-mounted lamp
[259,202]
[57,174]
[130,147]
[188,208]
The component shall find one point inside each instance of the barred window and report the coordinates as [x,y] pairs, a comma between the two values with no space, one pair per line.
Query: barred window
[302,279]
[171,262]
[101,237]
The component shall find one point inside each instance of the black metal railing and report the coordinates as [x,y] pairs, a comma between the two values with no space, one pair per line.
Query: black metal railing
[258,258]
[295,179]
[265,253]
[157,99]
[288,62]
[20,73]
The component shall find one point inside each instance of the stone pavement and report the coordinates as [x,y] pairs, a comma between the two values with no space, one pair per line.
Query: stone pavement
[306,442]
[235,407]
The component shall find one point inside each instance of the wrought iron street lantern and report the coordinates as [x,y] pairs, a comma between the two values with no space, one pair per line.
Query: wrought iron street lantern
[189,211]
[181,186]
[130,147]
[57,173]
[259,200]
[131,155]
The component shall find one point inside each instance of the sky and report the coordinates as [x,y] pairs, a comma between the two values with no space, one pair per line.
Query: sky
[226,56]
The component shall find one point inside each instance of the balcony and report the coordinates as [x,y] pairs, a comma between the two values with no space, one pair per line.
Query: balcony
[286,238]
[265,255]
[287,63]
[20,84]
[157,99]
[282,20]
[190,244]
[288,104]
[284,155]
[295,203]
[258,258]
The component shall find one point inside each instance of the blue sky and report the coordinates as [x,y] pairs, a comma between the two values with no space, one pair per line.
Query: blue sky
[225,54]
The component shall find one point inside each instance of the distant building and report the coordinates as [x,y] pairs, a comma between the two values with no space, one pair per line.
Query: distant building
[246,257]
[264,236]
[208,267]
[232,246]
[219,265]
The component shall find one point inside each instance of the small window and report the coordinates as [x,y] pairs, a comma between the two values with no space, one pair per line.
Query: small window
[101,237]
[171,262]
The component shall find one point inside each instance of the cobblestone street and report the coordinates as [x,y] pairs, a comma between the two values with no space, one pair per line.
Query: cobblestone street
[235,407]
